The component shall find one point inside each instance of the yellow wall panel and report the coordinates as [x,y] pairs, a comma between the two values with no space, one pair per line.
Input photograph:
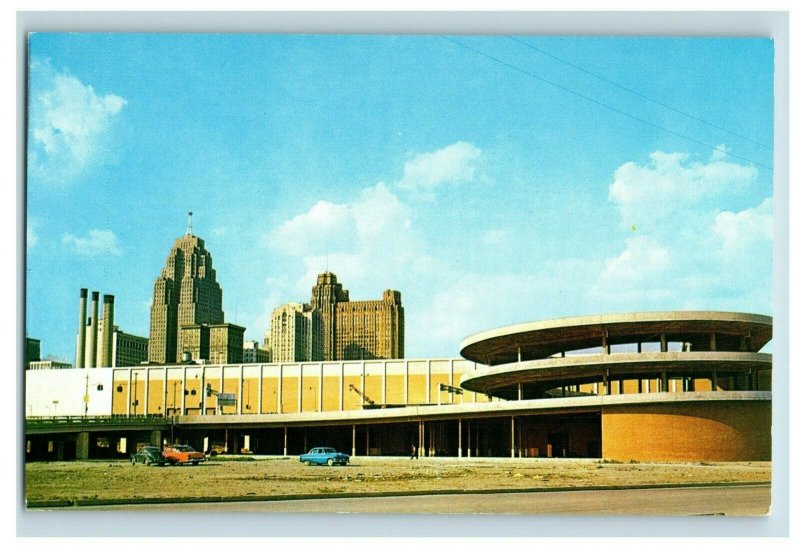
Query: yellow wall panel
[330,393]
[269,395]
[289,395]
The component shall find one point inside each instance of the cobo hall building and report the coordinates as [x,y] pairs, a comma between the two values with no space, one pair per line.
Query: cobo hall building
[650,386]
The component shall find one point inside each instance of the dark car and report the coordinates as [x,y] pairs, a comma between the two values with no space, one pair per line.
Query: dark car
[148,455]
[325,455]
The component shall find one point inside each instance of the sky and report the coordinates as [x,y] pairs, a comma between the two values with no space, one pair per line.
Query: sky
[492,180]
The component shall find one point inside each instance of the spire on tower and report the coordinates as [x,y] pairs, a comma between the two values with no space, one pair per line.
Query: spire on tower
[189,226]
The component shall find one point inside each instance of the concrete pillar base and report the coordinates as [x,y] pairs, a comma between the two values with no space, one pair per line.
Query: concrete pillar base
[81,447]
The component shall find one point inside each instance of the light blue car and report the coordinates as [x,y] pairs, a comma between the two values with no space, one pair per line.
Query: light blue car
[325,455]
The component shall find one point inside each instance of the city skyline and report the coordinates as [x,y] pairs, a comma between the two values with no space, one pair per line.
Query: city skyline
[491,180]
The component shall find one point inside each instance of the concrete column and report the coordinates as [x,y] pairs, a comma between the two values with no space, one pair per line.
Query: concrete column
[422,438]
[80,352]
[621,389]
[353,451]
[129,394]
[469,439]
[513,438]
[299,387]
[108,331]
[146,406]
[451,383]
[319,397]
[92,342]
[156,438]
[712,344]
[60,449]
[519,391]
[183,393]
[664,386]
[383,388]
[639,347]
[366,450]
[664,342]
[285,441]
[405,387]
[604,342]
[459,438]
[239,396]
[519,354]
[607,382]
[363,382]
[81,446]
[428,384]
[261,389]
[280,388]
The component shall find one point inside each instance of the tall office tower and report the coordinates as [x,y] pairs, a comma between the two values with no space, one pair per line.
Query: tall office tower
[186,293]
[295,333]
[324,297]
[370,329]
[355,330]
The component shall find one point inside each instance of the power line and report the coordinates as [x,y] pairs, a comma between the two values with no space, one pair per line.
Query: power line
[605,105]
[638,94]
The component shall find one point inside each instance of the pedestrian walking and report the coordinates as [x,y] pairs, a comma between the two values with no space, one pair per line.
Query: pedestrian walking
[414,452]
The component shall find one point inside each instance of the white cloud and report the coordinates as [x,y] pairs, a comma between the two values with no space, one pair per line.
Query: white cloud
[720,152]
[99,242]
[220,231]
[369,242]
[744,232]
[494,237]
[694,246]
[69,122]
[640,271]
[452,164]
[325,227]
[670,183]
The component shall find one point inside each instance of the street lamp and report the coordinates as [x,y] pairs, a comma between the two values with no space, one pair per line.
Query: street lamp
[174,397]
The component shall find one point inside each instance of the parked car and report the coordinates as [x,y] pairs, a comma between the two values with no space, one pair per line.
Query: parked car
[325,455]
[149,454]
[182,454]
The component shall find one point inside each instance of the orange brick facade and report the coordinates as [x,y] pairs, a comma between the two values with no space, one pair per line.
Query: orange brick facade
[690,431]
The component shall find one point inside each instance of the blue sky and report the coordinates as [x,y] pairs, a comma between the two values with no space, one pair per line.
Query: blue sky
[491,180]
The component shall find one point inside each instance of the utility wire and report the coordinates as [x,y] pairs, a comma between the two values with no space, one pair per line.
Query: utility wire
[609,107]
[634,92]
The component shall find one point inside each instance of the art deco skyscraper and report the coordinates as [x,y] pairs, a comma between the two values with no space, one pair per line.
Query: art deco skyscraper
[186,293]
[353,330]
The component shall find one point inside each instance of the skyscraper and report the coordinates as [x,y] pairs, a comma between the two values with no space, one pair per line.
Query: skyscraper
[186,293]
[295,333]
[353,330]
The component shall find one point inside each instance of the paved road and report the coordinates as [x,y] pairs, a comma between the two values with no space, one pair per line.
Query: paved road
[732,501]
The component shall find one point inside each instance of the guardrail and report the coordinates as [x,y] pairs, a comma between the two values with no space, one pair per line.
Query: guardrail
[68,421]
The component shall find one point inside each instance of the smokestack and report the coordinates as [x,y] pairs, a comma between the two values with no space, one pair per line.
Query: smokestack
[108,330]
[92,343]
[80,355]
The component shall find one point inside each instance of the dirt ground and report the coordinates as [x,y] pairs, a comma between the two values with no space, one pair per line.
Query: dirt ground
[220,477]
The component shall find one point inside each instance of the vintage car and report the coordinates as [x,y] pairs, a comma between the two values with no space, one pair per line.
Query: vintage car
[325,455]
[148,455]
[182,454]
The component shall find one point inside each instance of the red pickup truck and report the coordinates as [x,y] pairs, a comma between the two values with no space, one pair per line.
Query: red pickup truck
[181,454]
